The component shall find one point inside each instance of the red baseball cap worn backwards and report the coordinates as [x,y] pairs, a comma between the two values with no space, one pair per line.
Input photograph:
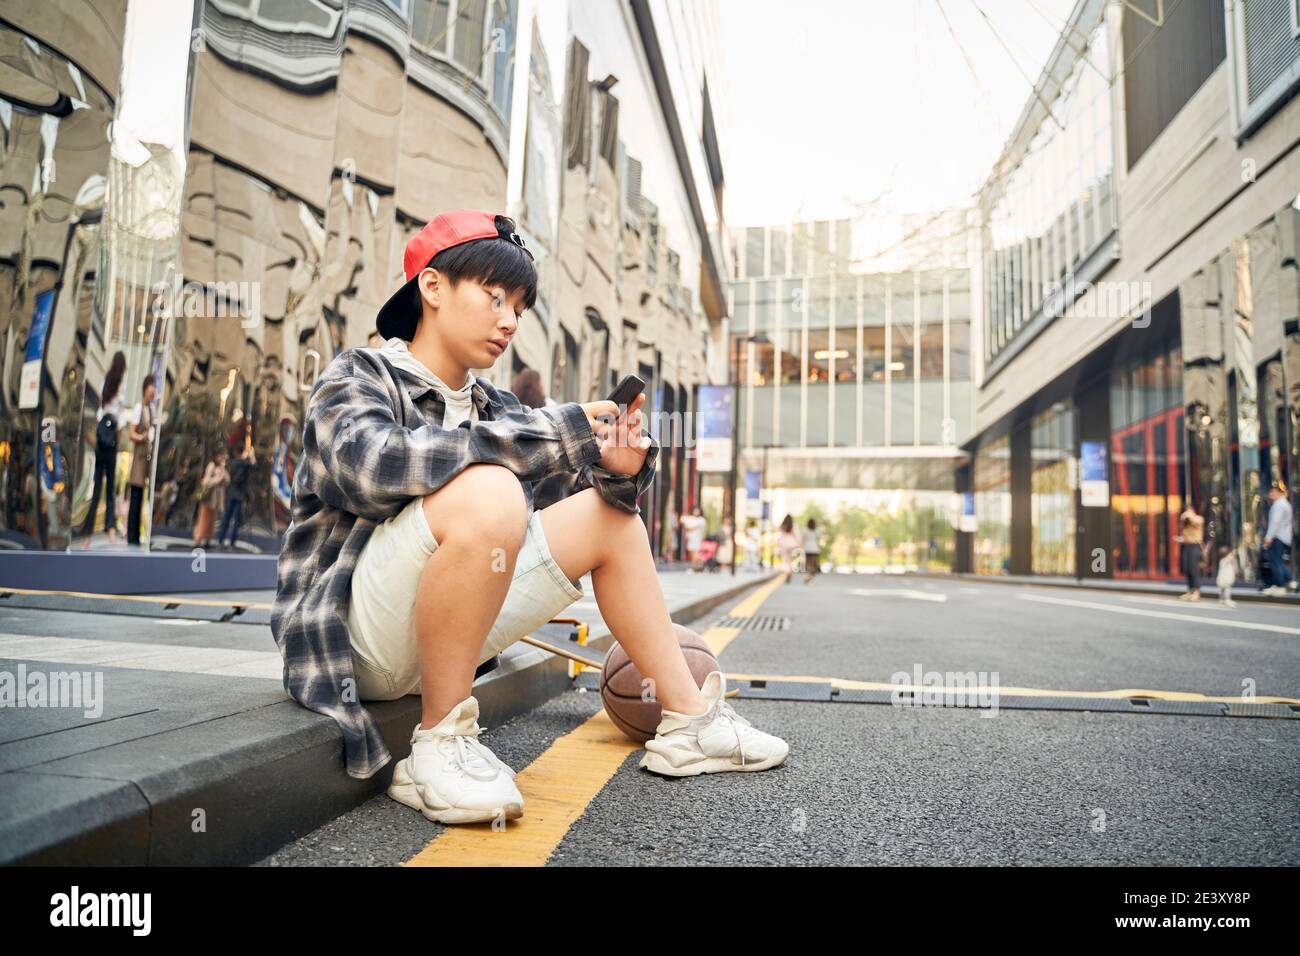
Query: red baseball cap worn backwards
[397,317]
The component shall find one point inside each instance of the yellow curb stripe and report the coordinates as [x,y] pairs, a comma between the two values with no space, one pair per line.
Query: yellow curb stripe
[140,598]
[558,786]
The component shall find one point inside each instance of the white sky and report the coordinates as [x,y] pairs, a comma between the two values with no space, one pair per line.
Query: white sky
[837,104]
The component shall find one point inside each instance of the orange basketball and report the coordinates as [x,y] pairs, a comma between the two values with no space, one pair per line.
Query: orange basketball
[629,698]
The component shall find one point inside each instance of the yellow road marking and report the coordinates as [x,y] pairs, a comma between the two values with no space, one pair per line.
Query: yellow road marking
[1005,691]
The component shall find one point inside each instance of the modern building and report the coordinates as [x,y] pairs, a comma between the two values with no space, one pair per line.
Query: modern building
[1137,295]
[221,190]
[857,393]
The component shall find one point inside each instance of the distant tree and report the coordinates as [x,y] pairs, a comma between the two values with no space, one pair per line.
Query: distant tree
[851,523]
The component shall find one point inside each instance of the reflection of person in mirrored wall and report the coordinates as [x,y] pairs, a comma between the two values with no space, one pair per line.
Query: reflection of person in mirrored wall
[142,432]
[108,422]
[212,497]
[53,481]
[240,471]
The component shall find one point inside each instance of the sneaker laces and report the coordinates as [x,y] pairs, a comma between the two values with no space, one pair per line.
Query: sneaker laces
[733,720]
[474,757]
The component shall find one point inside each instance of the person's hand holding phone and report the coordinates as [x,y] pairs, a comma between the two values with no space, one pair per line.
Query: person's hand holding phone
[623,445]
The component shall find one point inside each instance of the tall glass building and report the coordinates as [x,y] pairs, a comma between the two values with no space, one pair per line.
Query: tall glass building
[854,388]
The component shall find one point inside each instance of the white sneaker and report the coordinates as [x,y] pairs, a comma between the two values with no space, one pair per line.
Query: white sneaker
[1275,591]
[451,777]
[719,739]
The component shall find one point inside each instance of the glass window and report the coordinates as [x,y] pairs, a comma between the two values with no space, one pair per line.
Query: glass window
[1052,495]
[846,302]
[843,244]
[819,356]
[789,345]
[930,365]
[901,354]
[429,24]
[931,296]
[799,248]
[845,368]
[754,252]
[992,492]
[778,240]
[469,35]
[765,303]
[873,354]
[821,247]
[819,302]
[959,351]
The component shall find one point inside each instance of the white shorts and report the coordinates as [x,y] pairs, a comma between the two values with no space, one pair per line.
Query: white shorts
[381,618]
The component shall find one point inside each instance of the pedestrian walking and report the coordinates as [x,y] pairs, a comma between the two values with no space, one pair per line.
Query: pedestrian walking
[1226,575]
[693,528]
[786,543]
[812,551]
[1192,528]
[1277,541]
[142,432]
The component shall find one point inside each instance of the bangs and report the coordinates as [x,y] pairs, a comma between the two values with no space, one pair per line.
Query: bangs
[494,262]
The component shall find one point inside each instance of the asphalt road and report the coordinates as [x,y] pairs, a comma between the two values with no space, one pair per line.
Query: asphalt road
[878,784]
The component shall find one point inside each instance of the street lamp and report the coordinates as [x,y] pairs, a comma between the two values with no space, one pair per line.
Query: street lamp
[759,339]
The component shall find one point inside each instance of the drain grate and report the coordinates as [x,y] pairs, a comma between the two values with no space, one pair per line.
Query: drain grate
[764,622]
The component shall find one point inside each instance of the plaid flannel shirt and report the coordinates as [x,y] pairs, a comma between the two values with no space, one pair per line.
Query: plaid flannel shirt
[370,444]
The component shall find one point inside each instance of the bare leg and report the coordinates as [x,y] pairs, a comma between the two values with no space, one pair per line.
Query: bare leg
[587,534]
[479,520]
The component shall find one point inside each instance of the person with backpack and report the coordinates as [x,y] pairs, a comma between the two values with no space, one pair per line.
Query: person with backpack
[107,425]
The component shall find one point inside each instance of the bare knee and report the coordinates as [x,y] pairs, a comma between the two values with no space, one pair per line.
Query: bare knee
[618,529]
[486,501]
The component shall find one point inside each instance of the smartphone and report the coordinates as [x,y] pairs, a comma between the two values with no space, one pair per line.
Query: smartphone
[627,390]
[623,395]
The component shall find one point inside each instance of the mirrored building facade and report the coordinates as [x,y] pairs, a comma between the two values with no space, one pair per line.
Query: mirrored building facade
[213,197]
[1139,351]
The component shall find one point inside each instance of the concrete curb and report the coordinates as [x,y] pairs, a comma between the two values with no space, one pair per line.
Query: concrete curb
[260,778]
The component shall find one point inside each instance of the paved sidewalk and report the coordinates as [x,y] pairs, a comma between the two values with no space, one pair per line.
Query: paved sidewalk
[181,726]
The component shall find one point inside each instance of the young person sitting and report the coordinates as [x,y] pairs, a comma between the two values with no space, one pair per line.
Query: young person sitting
[415,554]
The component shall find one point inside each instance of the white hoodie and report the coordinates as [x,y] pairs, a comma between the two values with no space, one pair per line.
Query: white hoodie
[460,403]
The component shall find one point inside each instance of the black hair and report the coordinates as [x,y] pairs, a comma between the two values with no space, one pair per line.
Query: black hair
[113,378]
[500,261]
